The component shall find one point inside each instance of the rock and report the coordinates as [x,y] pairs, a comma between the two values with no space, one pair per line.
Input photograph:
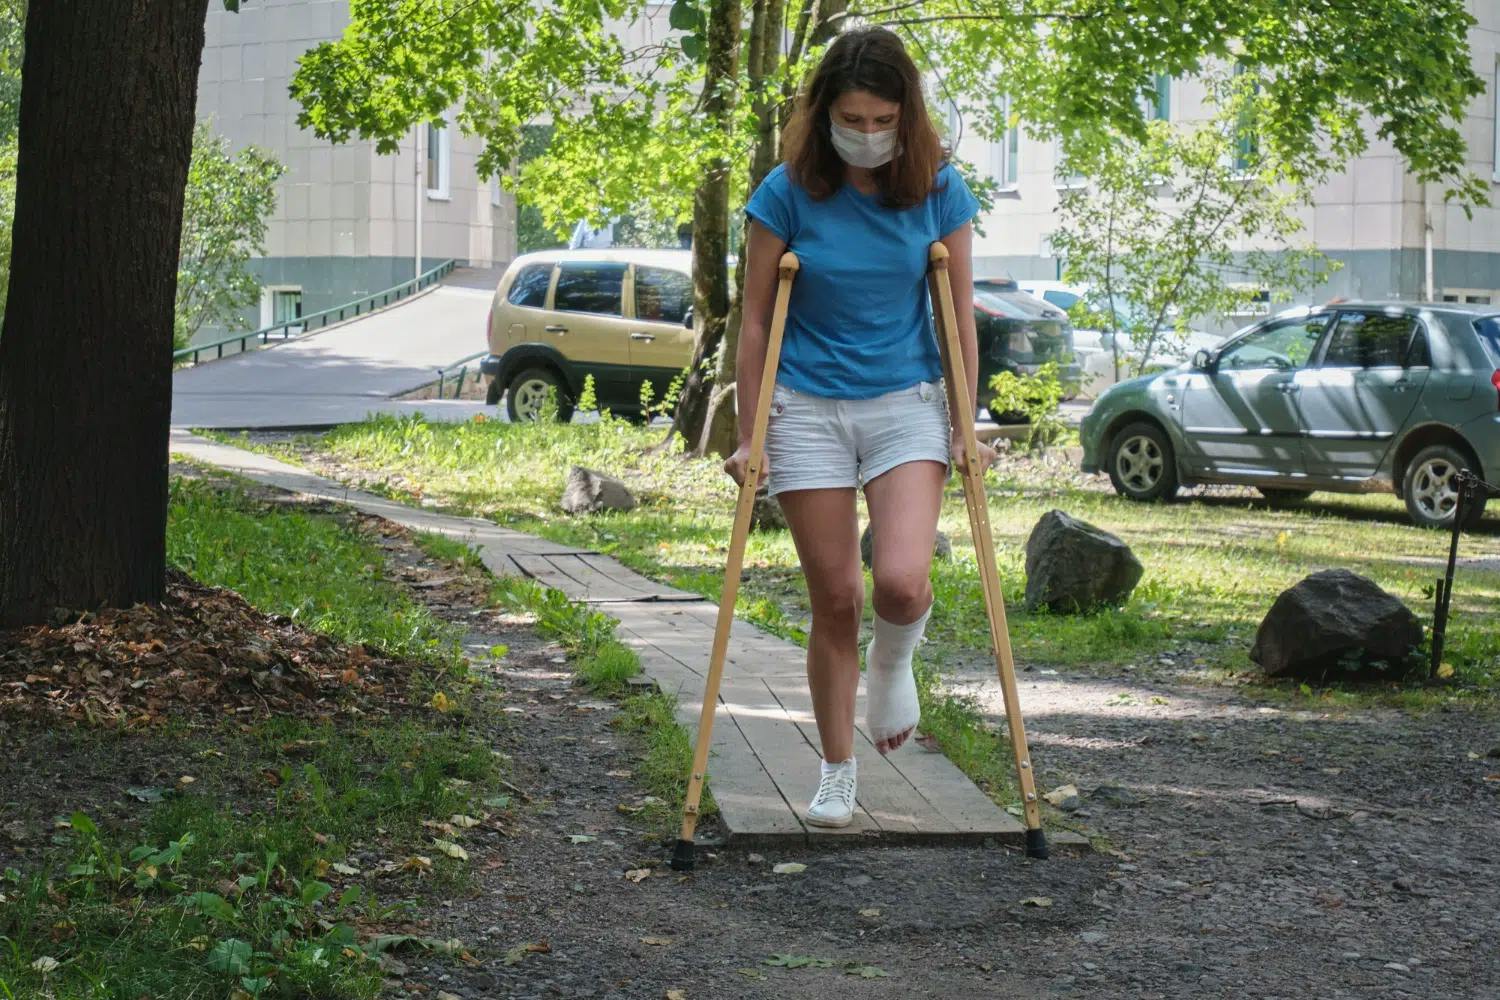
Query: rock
[1073,566]
[766,515]
[588,492]
[1336,623]
[942,546]
[755,859]
[1092,937]
[1064,798]
[856,881]
[1114,795]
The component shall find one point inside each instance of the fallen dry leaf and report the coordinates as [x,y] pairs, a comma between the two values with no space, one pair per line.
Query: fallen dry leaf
[638,874]
[658,941]
[1043,901]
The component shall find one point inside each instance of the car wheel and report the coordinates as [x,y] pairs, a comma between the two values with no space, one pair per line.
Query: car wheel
[1006,416]
[492,392]
[527,394]
[1431,495]
[1276,496]
[1141,463]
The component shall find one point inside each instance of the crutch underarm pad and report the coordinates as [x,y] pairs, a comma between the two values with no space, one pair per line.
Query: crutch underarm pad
[1036,844]
[682,856]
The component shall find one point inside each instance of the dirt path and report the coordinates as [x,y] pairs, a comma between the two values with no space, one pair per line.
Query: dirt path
[1248,851]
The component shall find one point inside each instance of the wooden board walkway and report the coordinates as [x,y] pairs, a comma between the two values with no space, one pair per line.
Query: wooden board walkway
[764,762]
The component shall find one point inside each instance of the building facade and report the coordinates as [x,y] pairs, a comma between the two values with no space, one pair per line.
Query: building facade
[345,222]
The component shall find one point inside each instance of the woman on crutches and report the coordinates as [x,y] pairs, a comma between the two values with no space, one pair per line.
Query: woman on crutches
[863,193]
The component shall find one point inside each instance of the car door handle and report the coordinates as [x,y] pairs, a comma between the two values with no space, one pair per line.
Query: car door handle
[554,328]
[1401,385]
[643,336]
[1288,388]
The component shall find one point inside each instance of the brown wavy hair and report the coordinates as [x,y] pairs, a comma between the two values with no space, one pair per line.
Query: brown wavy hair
[872,59]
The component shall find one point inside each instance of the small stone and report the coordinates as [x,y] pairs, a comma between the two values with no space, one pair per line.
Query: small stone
[588,492]
[855,881]
[1092,937]
[1352,956]
[755,859]
[1395,967]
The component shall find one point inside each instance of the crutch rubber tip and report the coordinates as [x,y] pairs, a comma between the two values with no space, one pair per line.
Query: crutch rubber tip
[682,856]
[1036,844]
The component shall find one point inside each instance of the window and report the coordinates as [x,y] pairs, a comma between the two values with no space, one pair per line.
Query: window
[1161,108]
[1488,329]
[1282,346]
[1495,118]
[530,286]
[495,190]
[438,157]
[1062,299]
[590,288]
[281,304]
[662,295]
[1246,141]
[1369,340]
[1005,154]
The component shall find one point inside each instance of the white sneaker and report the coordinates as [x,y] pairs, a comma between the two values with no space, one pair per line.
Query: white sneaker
[833,805]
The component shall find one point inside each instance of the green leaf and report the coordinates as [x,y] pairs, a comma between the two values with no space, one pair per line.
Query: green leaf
[685,16]
[211,904]
[693,47]
[84,825]
[797,962]
[231,956]
[865,971]
[313,892]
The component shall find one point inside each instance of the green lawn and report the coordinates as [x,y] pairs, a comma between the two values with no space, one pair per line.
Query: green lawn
[1213,565]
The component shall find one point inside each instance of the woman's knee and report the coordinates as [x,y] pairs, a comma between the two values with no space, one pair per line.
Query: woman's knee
[839,604]
[902,595]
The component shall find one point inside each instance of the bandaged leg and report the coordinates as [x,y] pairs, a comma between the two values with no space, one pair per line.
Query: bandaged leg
[891,709]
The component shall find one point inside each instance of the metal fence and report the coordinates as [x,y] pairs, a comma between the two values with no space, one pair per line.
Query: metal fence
[318,320]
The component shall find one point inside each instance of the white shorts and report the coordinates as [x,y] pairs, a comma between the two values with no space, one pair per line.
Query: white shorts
[816,443]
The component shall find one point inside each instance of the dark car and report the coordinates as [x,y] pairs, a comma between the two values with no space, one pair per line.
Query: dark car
[1353,397]
[1019,333]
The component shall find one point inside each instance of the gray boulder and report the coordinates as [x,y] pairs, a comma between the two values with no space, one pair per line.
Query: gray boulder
[1336,624]
[942,546]
[588,492]
[1073,566]
[766,515]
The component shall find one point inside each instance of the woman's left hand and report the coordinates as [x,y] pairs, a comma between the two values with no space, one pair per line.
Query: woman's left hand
[987,455]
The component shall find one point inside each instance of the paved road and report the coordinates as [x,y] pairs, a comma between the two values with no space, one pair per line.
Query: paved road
[347,372]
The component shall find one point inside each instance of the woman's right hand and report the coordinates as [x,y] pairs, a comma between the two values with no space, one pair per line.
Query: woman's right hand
[737,463]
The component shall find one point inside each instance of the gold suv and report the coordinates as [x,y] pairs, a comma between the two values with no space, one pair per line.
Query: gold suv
[622,315]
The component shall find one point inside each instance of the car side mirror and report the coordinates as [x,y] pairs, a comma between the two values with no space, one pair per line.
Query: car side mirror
[687,318]
[1203,360]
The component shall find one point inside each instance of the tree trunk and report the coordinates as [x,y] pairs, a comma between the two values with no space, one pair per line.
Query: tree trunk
[706,413]
[107,106]
[711,222]
[721,429]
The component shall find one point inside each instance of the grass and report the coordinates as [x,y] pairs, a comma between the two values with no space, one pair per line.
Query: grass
[605,665]
[241,883]
[1214,565]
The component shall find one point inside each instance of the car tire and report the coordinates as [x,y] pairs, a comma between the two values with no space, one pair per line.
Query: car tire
[1142,465]
[528,388]
[1278,497]
[493,392]
[1003,417]
[1428,489]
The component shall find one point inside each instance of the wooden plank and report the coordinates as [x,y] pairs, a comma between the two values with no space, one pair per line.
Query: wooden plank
[594,587]
[788,758]
[951,793]
[884,791]
[623,574]
[544,571]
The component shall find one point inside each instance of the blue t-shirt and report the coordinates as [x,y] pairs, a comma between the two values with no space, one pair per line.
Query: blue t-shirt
[858,323]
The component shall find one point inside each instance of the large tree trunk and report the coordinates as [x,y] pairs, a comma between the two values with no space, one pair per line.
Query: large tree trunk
[711,221]
[721,429]
[706,412]
[107,105]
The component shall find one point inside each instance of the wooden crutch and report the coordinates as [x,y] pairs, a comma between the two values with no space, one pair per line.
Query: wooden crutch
[682,854]
[962,408]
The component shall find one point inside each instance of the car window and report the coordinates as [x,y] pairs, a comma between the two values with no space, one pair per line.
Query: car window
[591,288]
[1488,329]
[662,295]
[1369,340]
[1004,299]
[1063,300]
[1284,345]
[530,286]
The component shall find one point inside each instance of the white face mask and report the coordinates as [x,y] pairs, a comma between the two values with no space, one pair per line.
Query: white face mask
[863,149]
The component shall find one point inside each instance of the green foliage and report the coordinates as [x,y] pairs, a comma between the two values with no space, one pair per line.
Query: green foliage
[225,207]
[669,752]
[309,568]
[588,399]
[602,662]
[1154,233]
[1036,397]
